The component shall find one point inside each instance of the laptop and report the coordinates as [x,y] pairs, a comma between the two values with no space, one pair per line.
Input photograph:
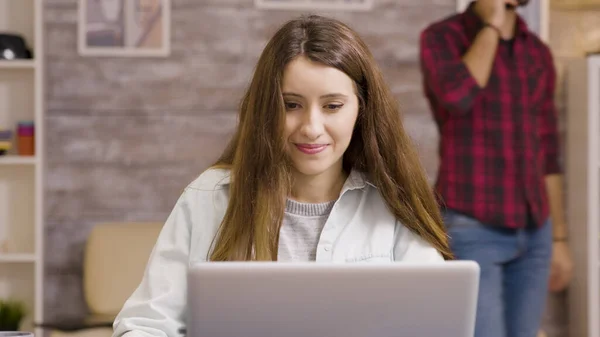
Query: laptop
[278,299]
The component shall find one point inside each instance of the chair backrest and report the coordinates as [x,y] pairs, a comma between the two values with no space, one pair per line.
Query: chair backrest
[116,255]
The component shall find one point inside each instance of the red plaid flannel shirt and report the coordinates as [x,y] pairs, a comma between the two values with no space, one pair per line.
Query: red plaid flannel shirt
[496,143]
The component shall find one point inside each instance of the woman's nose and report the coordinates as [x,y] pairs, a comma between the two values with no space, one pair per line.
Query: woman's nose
[312,123]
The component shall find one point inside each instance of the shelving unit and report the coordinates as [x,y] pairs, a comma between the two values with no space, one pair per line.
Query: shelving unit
[21,177]
[583,193]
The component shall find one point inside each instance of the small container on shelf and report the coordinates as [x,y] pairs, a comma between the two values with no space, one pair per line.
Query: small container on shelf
[14,47]
[26,138]
[5,141]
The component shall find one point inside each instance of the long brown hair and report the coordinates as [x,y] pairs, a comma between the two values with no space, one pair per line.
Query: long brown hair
[260,170]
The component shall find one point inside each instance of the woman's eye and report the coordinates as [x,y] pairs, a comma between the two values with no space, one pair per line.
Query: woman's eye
[291,106]
[334,106]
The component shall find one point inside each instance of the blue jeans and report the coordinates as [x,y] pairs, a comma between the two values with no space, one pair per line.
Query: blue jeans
[515,266]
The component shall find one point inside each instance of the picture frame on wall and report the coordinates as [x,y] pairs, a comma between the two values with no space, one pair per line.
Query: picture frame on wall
[127,28]
[338,5]
[536,14]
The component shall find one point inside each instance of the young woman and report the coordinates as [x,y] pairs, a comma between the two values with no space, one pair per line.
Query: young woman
[320,169]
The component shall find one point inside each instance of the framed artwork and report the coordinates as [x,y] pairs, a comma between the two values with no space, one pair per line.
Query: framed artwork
[124,28]
[342,5]
[536,14]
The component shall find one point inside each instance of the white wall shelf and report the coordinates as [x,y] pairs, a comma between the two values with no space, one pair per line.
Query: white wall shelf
[26,64]
[21,177]
[583,193]
[17,258]
[18,160]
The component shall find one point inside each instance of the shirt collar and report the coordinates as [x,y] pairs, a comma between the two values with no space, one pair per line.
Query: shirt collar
[356,180]
[473,23]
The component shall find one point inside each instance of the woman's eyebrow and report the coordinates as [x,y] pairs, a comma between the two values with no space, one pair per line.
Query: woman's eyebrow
[332,95]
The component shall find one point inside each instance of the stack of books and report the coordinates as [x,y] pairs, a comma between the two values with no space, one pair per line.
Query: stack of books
[5,141]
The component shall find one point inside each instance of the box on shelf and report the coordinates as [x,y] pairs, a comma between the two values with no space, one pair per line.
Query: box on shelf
[26,138]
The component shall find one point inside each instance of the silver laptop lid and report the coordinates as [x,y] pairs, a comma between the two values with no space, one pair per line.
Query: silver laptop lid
[260,299]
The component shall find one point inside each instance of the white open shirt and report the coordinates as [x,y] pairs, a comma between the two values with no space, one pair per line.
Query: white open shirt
[359,229]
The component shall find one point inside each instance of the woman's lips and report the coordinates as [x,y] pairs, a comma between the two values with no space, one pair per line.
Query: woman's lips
[311,148]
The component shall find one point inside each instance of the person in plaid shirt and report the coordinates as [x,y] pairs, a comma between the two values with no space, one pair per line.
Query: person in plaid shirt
[490,84]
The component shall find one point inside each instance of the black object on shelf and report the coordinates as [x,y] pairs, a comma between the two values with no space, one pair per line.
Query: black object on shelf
[71,324]
[13,47]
